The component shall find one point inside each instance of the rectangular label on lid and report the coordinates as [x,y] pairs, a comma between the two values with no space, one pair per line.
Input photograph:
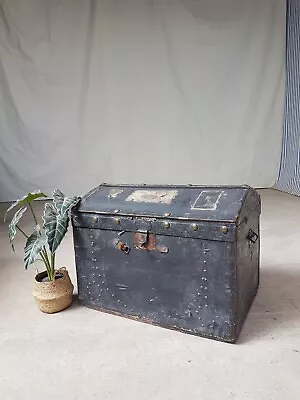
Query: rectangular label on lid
[153,196]
[207,200]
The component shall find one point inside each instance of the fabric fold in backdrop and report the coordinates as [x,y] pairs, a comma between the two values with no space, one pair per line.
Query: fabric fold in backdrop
[161,91]
[289,173]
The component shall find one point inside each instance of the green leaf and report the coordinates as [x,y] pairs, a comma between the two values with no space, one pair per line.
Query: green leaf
[33,247]
[62,203]
[24,200]
[12,227]
[55,225]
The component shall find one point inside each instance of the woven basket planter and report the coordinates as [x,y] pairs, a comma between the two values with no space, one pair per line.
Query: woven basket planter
[53,296]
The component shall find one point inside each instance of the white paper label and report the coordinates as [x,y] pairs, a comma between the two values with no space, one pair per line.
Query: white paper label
[113,193]
[153,196]
[207,200]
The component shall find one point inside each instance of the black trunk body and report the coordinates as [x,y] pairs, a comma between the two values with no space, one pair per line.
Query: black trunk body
[181,257]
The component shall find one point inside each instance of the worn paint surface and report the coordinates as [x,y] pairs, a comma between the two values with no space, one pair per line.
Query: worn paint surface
[221,204]
[200,282]
[113,193]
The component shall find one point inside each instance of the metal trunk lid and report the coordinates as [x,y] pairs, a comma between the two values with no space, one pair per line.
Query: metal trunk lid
[196,203]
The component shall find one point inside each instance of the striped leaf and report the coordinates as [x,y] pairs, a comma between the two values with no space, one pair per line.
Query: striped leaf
[28,198]
[55,225]
[12,227]
[34,245]
[62,203]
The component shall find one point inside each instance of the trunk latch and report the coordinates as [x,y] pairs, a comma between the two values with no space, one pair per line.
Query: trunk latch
[144,240]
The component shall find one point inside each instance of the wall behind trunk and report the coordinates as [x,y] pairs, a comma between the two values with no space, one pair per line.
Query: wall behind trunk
[165,91]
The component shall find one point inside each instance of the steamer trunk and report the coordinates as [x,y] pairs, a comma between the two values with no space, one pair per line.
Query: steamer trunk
[180,257]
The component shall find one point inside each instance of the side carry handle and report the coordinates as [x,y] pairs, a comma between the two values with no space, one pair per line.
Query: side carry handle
[252,236]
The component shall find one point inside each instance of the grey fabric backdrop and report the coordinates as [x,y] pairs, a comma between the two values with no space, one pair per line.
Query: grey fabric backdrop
[289,173]
[166,91]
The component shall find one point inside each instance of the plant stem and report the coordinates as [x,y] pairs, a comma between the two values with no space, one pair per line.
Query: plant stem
[53,264]
[53,260]
[46,265]
[33,213]
[46,262]
[44,251]
[22,231]
[49,267]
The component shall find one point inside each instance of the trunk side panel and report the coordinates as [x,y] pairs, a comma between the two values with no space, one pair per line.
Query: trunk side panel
[190,288]
[248,262]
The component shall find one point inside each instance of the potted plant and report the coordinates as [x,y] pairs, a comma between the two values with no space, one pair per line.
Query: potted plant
[53,289]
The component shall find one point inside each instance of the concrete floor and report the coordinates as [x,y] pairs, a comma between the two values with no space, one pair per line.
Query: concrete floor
[84,354]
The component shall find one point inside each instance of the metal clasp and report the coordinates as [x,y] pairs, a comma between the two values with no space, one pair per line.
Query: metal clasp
[141,239]
[144,241]
[122,246]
